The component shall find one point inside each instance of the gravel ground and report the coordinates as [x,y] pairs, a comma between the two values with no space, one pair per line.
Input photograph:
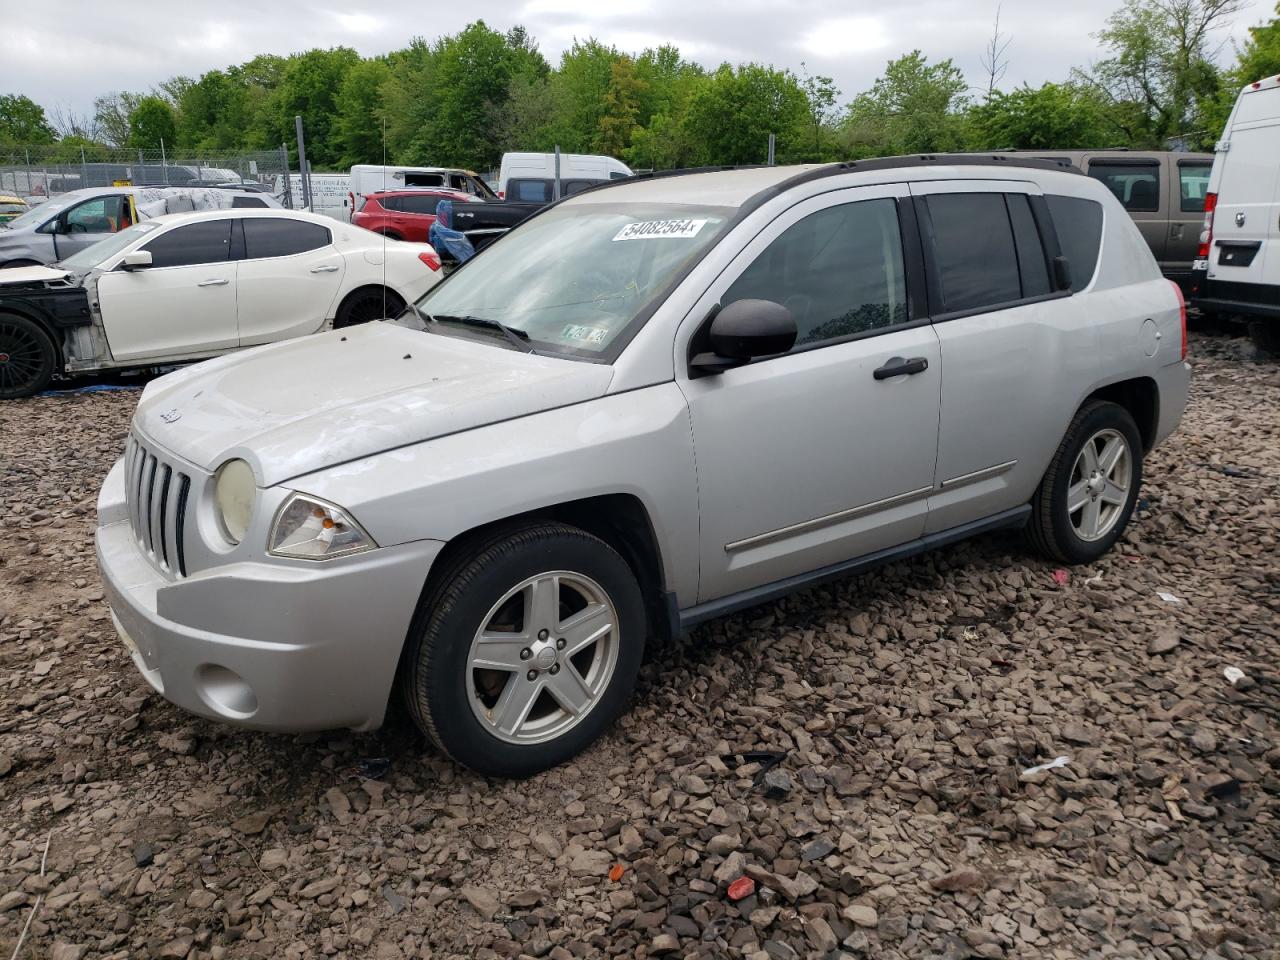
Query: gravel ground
[857,752]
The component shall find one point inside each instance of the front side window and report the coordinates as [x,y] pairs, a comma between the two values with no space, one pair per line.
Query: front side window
[1136,185]
[839,271]
[208,241]
[1193,181]
[99,215]
[575,278]
[271,237]
[974,250]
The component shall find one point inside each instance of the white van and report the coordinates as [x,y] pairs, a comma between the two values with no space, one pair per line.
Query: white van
[367,178]
[328,193]
[1237,268]
[530,177]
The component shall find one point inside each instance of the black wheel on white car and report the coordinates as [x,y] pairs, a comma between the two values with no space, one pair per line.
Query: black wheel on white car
[1086,498]
[526,649]
[28,358]
[366,305]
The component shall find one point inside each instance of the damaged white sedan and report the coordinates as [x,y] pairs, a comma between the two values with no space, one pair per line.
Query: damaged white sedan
[195,285]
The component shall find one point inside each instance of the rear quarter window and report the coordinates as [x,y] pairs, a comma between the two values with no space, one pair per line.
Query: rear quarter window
[1078,223]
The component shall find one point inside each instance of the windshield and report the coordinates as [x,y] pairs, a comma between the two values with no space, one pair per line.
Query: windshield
[574,278]
[96,253]
[37,215]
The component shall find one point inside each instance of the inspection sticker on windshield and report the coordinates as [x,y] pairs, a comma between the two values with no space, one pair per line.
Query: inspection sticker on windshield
[573,331]
[655,229]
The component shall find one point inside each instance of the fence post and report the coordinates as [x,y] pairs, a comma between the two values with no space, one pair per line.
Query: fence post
[302,164]
[164,166]
[28,156]
[288,179]
[84,169]
[772,144]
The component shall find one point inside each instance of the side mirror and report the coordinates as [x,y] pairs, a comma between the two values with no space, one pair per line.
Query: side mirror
[54,227]
[136,260]
[744,330]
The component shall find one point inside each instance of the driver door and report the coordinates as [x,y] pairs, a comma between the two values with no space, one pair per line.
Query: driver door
[86,223]
[819,455]
[183,305]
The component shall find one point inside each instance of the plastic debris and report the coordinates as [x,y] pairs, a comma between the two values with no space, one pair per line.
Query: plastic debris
[1041,768]
[1233,674]
[1168,597]
[372,768]
[616,872]
[742,888]
[1060,577]
[1096,578]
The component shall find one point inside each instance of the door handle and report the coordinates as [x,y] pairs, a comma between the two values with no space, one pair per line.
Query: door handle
[898,367]
[213,283]
[327,268]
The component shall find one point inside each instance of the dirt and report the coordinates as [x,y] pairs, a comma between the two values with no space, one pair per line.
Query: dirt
[856,751]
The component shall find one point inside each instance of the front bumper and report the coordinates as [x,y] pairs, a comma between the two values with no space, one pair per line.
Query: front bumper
[272,645]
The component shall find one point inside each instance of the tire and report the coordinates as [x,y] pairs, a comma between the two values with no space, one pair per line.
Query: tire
[511,722]
[1265,335]
[1071,536]
[28,357]
[367,304]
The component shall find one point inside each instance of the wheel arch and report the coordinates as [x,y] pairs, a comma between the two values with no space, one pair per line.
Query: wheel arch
[1141,397]
[619,519]
[356,293]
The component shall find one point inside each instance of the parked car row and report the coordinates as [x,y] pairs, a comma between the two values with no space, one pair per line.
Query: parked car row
[650,405]
[181,287]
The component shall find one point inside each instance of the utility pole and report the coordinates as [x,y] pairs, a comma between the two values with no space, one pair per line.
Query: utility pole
[302,165]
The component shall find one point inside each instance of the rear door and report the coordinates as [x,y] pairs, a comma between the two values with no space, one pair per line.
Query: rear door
[289,278]
[1138,182]
[1188,182]
[1245,222]
[183,305]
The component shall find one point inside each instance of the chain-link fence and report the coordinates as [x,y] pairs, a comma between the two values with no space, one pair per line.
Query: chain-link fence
[40,172]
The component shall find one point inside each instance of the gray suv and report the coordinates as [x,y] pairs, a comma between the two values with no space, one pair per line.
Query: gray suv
[650,405]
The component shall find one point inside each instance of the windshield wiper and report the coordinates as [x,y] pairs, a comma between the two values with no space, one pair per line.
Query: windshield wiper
[517,337]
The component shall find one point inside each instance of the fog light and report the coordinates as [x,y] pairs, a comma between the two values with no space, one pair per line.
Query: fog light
[226,692]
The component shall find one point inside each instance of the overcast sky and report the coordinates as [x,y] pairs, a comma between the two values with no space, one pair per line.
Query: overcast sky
[87,47]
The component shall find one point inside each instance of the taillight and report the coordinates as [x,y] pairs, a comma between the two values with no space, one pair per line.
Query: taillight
[432,260]
[502,194]
[1206,232]
[1182,316]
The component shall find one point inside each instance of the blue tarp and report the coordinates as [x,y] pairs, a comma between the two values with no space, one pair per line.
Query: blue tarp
[448,242]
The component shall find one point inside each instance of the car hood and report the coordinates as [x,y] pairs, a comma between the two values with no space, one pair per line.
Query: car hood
[302,405]
[32,275]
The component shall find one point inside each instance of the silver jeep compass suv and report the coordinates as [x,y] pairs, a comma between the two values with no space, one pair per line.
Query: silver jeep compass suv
[654,403]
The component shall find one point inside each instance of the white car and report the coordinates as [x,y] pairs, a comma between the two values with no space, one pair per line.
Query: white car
[194,285]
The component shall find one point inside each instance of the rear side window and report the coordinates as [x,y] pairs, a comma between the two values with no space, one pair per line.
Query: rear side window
[281,238]
[424,180]
[839,271]
[240,202]
[974,249]
[391,203]
[1193,183]
[423,204]
[1136,185]
[530,191]
[1078,224]
[206,242]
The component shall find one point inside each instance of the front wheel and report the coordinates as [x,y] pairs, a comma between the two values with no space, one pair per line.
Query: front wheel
[28,357]
[526,650]
[1087,495]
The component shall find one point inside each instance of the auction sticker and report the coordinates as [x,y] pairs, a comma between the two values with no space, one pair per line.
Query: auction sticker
[575,331]
[658,229]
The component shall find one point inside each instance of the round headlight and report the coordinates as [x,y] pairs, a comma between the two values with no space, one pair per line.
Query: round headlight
[234,491]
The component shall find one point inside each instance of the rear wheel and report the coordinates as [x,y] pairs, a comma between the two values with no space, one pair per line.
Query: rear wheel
[526,650]
[370,303]
[28,357]
[1087,495]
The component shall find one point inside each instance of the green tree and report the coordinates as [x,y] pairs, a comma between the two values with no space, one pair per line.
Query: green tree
[22,120]
[308,87]
[1258,58]
[821,93]
[619,120]
[152,123]
[1160,69]
[916,107]
[112,111]
[1050,117]
[732,113]
[358,126]
[580,88]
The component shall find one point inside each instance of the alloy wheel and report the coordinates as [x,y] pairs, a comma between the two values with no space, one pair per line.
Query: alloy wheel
[543,657]
[1099,485]
[21,359]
